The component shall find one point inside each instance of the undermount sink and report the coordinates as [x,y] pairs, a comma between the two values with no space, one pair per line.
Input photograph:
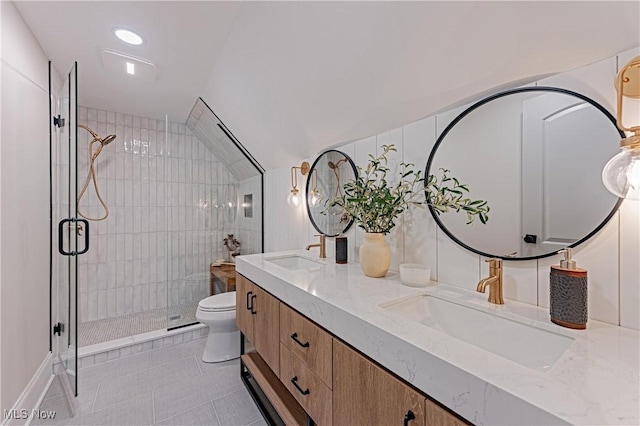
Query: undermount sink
[295,262]
[525,344]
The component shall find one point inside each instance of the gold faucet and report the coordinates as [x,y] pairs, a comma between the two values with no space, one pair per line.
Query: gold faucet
[322,244]
[494,281]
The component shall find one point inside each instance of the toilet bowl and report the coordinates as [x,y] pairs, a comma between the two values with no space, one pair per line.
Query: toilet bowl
[219,313]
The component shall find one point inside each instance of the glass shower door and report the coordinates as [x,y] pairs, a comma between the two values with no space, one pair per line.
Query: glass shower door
[71,234]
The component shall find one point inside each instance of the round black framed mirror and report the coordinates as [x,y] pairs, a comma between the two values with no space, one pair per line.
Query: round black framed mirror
[536,155]
[328,173]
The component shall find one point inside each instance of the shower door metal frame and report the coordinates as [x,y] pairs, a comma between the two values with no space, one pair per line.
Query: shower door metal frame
[63,110]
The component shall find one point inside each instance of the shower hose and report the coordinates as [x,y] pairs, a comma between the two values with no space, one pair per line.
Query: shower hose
[91,176]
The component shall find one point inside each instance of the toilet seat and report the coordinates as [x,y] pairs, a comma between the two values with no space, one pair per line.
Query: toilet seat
[222,302]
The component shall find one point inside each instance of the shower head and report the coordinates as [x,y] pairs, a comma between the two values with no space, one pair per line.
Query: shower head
[107,140]
[103,141]
[334,166]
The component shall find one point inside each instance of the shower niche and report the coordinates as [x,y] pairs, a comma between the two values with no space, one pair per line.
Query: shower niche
[166,194]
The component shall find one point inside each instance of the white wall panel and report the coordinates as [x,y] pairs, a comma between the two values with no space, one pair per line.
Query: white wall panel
[363,148]
[24,202]
[519,280]
[456,265]
[600,258]
[286,227]
[593,80]
[420,230]
[630,264]
[395,237]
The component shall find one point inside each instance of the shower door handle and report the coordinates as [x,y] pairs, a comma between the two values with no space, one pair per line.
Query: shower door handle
[72,224]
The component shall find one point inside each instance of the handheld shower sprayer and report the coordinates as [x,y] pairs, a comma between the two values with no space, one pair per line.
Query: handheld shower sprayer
[92,171]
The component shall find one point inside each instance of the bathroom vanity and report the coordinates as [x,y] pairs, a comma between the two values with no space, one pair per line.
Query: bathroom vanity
[336,347]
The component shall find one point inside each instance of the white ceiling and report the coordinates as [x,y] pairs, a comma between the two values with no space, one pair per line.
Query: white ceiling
[292,78]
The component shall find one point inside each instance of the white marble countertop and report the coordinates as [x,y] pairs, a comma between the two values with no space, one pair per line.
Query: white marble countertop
[596,381]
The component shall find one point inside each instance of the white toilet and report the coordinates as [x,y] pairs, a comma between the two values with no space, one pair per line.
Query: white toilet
[219,313]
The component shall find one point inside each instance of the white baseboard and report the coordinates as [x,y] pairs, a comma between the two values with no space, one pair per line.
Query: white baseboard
[33,394]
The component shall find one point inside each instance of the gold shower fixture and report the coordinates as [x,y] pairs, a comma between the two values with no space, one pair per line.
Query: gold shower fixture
[92,171]
[294,198]
[621,175]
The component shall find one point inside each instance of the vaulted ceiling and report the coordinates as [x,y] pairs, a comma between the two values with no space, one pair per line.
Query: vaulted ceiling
[292,78]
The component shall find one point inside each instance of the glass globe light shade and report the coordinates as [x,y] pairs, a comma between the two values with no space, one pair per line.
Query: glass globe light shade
[621,175]
[294,199]
[315,198]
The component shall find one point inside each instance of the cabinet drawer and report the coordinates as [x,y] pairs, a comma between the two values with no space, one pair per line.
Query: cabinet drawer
[366,394]
[311,344]
[314,396]
[441,417]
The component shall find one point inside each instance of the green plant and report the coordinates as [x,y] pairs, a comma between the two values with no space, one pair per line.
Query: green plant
[375,203]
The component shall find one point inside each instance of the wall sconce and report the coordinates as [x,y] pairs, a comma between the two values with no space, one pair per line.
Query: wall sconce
[621,175]
[295,199]
[316,197]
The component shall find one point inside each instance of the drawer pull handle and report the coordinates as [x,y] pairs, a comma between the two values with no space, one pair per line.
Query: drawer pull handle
[295,383]
[253,311]
[294,336]
[408,417]
[249,300]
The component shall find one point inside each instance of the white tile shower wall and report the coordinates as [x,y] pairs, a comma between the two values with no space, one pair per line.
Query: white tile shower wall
[612,256]
[166,215]
[250,216]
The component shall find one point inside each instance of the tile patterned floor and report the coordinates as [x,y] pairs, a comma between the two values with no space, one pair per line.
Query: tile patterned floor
[107,329]
[166,386]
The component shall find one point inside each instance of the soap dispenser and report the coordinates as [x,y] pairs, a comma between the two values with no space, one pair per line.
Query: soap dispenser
[568,293]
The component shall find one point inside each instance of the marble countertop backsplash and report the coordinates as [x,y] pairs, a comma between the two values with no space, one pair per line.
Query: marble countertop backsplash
[595,381]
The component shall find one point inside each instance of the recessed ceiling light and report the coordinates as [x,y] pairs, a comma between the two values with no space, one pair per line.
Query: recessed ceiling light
[128,36]
[131,68]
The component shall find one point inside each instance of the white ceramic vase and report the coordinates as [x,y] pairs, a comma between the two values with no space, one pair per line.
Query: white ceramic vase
[375,255]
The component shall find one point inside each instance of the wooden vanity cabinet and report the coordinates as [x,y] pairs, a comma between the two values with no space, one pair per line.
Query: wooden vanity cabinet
[315,376]
[365,394]
[438,416]
[258,317]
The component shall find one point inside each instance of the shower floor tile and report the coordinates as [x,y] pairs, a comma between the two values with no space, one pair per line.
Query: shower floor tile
[107,329]
[172,386]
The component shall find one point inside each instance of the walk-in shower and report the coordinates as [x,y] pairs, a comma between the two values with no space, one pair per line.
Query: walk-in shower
[173,193]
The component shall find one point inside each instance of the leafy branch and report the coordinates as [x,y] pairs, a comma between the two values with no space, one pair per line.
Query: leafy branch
[375,203]
[447,194]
